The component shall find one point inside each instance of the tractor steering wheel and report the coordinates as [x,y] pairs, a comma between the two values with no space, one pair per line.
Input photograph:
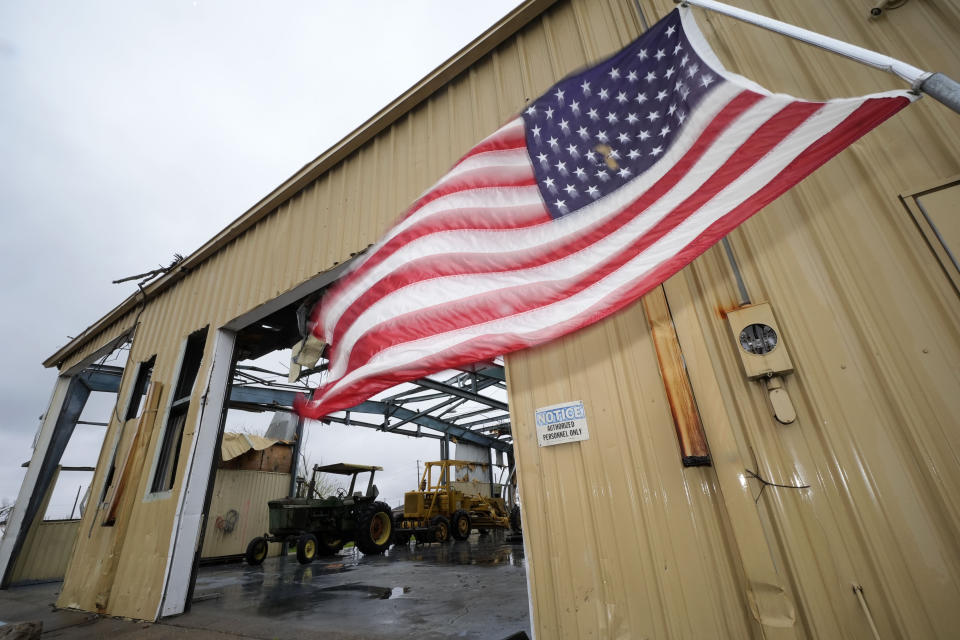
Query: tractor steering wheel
[341,492]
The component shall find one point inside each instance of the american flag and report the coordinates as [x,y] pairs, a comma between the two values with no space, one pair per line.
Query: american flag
[606,185]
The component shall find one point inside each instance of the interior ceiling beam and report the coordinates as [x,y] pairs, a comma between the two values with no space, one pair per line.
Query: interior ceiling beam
[282,398]
[462,393]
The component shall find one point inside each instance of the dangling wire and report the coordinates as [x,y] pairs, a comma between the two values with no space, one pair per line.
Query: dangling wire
[766,483]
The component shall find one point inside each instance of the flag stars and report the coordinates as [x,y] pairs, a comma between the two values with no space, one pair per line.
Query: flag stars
[593,192]
[604,94]
[706,80]
[614,73]
[580,173]
[660,55]
[651,76]
[571,190]
[592,156]
[621,97]
[573,151]
[671,30]
[552,141]
[532,110]
[559,95]
[681,116]
[561,205]
[671,110]
[641,98]
[653,116]
[593,115]
[561,167]
[565,127]
[612,118]
[664,131]
[692,70]
[684,60]
[602,175]
[634,154]
[661,96]
[536,132]
[624,172]
[614,154]
[656,151]
[550,184]
[642,54]
[575,108]
[602,136]
[544,160]
[549,113]
[586,88]
[583,133]
[669,72]
[624,137]
[644,135]
[632,76]
[677,49]
[632,118]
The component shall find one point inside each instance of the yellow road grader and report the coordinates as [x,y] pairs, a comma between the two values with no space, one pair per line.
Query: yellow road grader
[450,503]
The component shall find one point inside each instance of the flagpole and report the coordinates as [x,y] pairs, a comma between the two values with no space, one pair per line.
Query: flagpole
[936,85]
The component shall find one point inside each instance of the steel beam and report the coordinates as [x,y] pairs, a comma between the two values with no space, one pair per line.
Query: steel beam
[282,398]
[462,393]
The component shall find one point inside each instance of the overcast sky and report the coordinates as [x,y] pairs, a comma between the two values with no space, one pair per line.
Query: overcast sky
[130,131]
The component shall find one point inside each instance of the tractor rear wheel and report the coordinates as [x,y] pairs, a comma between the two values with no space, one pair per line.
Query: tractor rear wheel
[441,529]
[461,524]
[307,548]
[256,551]
[375,528]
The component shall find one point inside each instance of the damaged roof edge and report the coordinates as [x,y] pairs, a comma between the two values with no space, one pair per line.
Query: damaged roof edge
[427,86]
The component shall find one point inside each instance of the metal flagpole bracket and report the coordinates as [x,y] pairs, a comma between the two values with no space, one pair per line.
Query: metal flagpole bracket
[938,86]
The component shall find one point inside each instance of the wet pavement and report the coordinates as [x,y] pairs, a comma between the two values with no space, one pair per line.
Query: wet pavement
[471,589]
[476,589]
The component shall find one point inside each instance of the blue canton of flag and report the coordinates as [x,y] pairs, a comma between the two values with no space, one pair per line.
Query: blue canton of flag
[598,129]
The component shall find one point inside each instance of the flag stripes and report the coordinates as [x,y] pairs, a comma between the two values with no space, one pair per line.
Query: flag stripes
[478,266]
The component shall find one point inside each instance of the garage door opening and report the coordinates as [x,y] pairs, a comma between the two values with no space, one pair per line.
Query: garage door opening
[414,587]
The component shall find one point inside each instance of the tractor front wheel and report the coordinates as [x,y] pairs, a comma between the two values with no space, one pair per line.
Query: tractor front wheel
[441,529]
[375,528]
[256,551]
[461,524]
[306,548]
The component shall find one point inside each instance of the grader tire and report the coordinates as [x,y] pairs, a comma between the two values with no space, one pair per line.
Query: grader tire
[441,529]
[461,524]
[515,519]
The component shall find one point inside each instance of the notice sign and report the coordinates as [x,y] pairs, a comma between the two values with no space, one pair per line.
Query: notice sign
[561,423]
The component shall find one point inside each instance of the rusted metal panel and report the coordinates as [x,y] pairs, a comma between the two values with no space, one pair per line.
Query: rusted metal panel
[238,512]
[683,406]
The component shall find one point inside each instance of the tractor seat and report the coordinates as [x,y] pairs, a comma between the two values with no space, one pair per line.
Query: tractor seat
[373,492]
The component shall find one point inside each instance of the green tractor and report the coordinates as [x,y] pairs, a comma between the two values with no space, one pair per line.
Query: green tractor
[321,525]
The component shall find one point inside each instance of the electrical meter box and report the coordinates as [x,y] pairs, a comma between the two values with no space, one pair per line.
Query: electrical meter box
[759,341]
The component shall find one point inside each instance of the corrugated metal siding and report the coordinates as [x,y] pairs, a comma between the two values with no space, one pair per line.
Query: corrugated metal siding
[622,540]
[44,557]
[247,493]
[629,544]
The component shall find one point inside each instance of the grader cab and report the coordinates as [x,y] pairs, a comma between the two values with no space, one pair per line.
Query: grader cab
[450,503]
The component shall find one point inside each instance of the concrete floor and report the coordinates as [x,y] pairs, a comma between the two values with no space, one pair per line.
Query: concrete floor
[472,589]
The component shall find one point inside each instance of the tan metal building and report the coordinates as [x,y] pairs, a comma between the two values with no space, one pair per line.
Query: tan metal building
[858,265]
